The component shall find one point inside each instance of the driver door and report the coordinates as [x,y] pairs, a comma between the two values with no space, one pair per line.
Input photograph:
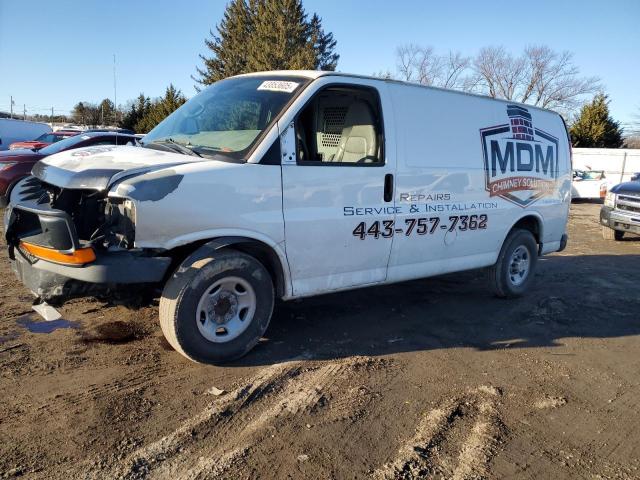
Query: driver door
[337,181]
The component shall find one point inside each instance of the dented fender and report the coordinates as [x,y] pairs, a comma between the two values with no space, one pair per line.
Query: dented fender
[188,203]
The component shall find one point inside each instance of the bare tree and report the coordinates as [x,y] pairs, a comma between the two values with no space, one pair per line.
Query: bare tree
[422,65]
[634,126]
[539,77]
[632,141]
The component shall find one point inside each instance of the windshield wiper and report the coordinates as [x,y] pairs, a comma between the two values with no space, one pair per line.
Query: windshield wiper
[175,146]
[213,149]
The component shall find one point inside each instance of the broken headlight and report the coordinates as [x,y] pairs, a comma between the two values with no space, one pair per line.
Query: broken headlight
[118,231]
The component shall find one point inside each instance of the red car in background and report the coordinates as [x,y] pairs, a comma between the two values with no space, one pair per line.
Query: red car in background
[17,164]
[44,140]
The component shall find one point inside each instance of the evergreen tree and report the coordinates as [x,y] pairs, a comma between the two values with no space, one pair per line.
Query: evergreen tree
[136,110]
[160,109]
[79,113]
[107,112]
[324,45]
[229,46]
[281,37]
[86,113]
[259,35]
[594,127]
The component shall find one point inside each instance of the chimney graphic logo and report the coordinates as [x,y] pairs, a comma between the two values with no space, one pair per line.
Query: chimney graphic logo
[521,124]
[520,160]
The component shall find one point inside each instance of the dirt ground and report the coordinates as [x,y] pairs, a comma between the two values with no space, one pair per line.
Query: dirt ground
[426,379]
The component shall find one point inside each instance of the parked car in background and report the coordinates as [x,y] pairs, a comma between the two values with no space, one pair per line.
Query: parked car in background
[620,213]
[12,130]
[618,164]
[17,164]
[635,177]
[589,184]
[43,140]
[111,130]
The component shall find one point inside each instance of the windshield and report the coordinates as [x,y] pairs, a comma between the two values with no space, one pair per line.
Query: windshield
[228,117]
[588,175]
[49,138]
[65,144]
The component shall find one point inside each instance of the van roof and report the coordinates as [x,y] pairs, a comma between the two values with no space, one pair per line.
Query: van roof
[314,74]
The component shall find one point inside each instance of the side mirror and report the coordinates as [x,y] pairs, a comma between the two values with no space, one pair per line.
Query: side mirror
[288,144]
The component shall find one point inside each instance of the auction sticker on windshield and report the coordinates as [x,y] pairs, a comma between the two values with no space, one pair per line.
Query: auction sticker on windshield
[278,86]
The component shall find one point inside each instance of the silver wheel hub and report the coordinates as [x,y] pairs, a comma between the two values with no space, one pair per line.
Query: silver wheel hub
[519,265]
[226,309]
[223,306]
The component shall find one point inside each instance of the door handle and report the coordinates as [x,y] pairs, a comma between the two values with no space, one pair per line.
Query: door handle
[388,187]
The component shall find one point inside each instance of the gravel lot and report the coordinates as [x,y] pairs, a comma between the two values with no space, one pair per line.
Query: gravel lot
[426,378]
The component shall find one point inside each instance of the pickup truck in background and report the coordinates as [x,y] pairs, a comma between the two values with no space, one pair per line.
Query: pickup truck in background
[620,213]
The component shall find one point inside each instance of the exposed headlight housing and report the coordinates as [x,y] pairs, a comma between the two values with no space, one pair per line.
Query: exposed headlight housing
[610,199]
[121,221]
[129,210]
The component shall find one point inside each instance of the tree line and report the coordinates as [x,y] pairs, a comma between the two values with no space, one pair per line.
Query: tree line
[538,76]
[140,114]
[255,35]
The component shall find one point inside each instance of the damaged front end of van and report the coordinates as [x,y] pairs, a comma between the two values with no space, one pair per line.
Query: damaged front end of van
[69,234]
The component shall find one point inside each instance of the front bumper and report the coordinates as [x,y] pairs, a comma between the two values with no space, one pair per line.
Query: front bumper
[32,219]
[623,221]
[49,280]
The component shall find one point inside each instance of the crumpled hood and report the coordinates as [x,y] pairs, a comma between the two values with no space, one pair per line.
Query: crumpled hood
[95,168]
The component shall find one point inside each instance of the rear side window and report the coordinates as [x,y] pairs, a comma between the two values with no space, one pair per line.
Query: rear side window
[341,126]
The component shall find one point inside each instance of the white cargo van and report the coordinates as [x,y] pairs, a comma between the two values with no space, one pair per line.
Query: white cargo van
[13,130]
[292,184]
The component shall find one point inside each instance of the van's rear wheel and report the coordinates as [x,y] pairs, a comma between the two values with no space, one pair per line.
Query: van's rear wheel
[217,305]
[514,271]
[611,234]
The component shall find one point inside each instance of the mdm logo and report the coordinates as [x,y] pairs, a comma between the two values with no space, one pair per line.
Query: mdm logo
[520,161]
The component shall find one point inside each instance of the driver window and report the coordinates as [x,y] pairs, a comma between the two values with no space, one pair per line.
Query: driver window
[341,125]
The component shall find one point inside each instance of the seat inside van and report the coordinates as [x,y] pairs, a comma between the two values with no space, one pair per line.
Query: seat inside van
[341,125]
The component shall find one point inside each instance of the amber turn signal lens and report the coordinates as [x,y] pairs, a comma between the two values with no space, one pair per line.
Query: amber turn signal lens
[77,257]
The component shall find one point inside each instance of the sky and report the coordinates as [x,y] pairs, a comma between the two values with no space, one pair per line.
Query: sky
[56,53]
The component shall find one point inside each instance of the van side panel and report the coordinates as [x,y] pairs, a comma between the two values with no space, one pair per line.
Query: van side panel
[464,163]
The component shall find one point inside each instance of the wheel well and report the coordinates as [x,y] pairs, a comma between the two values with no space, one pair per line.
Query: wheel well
[265,255]
[258,250]
[7,193]
[532,224]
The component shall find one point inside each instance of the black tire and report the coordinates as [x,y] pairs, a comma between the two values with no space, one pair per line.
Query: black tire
[188,284]
[611,234]
[500,280]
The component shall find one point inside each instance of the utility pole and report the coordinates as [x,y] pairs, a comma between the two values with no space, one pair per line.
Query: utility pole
[115,96]
[24,111]
[52,116]
[12,102]
[102,113]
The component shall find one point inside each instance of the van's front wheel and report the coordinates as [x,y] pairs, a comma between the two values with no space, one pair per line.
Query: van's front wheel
[514,271]
[216,306]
